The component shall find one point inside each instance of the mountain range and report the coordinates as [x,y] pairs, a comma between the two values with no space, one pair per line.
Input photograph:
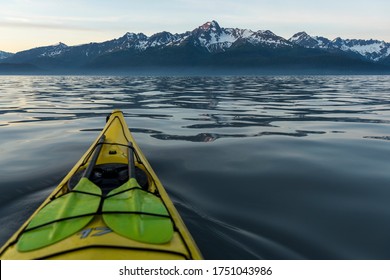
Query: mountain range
[207,46]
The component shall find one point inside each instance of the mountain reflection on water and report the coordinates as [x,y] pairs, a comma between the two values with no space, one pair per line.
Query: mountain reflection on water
[203,108]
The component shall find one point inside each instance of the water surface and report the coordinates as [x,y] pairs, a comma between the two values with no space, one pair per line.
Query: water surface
[266,167]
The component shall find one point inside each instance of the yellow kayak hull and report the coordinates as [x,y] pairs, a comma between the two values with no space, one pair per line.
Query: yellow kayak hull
[96,240]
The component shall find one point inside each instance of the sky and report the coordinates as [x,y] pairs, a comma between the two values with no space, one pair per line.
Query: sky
[25,24]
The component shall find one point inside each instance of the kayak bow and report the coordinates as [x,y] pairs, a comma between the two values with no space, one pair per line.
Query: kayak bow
[111,205]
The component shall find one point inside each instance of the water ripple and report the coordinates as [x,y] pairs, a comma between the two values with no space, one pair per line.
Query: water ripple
[209,104]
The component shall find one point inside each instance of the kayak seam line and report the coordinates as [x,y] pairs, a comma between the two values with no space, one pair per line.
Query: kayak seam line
[88,193]
[58,220]
[116,247]
[133,188]
[137,213]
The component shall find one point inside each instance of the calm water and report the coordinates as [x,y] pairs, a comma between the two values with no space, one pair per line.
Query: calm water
[258,167]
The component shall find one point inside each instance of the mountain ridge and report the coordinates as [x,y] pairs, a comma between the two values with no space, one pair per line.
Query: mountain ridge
[4,55]
[373,50]
[210,45]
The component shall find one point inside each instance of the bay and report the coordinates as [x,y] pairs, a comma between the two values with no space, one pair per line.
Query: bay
[259,167]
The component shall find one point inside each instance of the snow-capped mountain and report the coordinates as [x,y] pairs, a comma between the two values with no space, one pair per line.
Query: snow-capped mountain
[372,50]
[53,51]
[216,39]
[208,45]
[36,53]
[307,41]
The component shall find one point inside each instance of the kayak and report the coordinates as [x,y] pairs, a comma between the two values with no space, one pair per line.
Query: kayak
[111,205]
